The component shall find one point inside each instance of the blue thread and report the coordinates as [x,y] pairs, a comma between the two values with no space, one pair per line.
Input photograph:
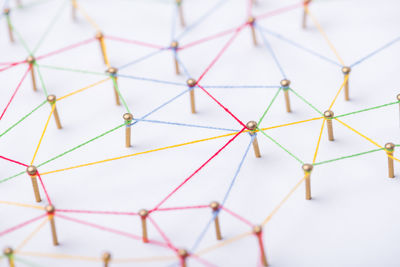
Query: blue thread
[197,243]
[143,58]
[241,86]
[269,47]
[375,52]
[298,45]
[180,63]
[188,125]
[150,80]
[202,18]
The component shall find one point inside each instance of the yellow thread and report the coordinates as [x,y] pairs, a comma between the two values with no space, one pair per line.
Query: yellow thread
[21,205]
[319,141]
[37,229]
[104,48]
[53,106]
[83,89]
[346,77]
[292,123]
[150,259]
[223,243]
[87,17]
[283,201]
[357,132]
[59,256]
[323,34]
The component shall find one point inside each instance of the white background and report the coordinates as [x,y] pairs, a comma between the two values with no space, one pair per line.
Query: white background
[353,218]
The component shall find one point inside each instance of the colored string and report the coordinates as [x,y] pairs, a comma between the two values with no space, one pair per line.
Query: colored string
[319,141]
[31,235]
[58,256]
[279,11]
[64,49]
[114,80]
[366,109]
[185,70]
[241,86]
[98,212]
[150,80]
[161,232]
[223,243]
[20,39]
[305,101]
[41,78]
[24,261]
[114,38]
[11,177]
[15,92]
[175,8]
[237,216]
[87,17]
[14,228]
[83,89]
[269,106]
[183,208]
[208,38]
[346,78]
[72,70]
[44,189]
[347,157]
[21,205]
[142,58]
[14,161]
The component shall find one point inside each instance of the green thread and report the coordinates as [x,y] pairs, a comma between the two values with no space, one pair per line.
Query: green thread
[287,151]
[18,259]
[347,157]
[72,70]
[23,118]
[305,101]
[85,143]
[20,38]
[114,80]
[367,109]
[11,177]
[269,106]
[41,78]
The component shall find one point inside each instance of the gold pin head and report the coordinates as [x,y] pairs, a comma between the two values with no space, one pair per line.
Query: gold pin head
[191,82]
[183,253]
[31,170]
[389,146]
[285,83]
[127,117]
[112,70]
[106,256]
[251,20]
[6,11]
[214,205]
[178,2]
[398,97]
[50,209]
[257,229]
[328,114]
[143,213]
[51,99]
[307,167]
[174,45]
[346,70]
[99,35]
[8,251]
[251,125]
[30,60]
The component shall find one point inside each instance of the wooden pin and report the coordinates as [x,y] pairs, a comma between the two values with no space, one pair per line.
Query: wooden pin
[128,117]
[9,253]
[106,257]
[32,172]
[257,230]
[174,47]
[328,116]
[31,60]
[389,147]
[252,126]
[9,26]
[99,36]
[52,100]
[285,86]
[183,254]
[143,216]
[307,168]
[346,72]
[180,11]
[305,6]
[50,212]
[192,83]
[251,21]
[73,9]
[113,74]
[215,207]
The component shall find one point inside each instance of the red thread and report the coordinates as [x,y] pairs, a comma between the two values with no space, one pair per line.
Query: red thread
[203,261]
[20,163]
[11,65]
[183,208]
[15,92]
[44,189]
[279,11]
[21,225]
[237,216]
[98,212]
[65,48]
[201,167]
[134,42]
[249,7]
[164,236]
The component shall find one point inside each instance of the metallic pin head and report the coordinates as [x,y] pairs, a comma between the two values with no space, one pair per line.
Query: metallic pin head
[127,117]
[6,11]
[398,97]
[346,70]
[389,146]
[106,257]
[183,253]
[178,2]
[112,70]
[191,82]
[174,45]
[143,213]
[99,35]
[214,205]
[50,209]
[30,60]
[251,125]
[8,251]
[285,83]
[307,167]
[328,114]
[257,229]
[31,170]
[51,99]
[251,20]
